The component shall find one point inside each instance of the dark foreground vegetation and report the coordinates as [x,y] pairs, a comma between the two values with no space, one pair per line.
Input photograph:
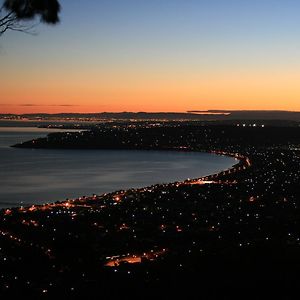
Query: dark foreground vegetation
[232,234]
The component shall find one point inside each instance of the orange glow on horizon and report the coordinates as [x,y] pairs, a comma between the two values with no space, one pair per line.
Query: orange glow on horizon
[133,91]
[167,56]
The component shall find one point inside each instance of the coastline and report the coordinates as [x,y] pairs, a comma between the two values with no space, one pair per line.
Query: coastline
[242,164]
[191,166]
[60,137]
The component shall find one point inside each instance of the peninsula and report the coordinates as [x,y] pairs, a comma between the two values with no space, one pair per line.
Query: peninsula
[220,234]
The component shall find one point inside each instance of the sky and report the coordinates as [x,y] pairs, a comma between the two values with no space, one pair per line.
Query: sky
[158,55]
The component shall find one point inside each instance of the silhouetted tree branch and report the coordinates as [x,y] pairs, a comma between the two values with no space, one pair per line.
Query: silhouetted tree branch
[15,14]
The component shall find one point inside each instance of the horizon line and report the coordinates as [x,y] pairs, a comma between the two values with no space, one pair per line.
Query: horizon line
[209,111]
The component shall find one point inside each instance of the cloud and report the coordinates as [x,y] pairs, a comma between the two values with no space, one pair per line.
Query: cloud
[64,105]
[31,104]
[48,105]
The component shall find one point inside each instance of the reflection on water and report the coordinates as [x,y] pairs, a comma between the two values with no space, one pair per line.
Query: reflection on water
[39,175]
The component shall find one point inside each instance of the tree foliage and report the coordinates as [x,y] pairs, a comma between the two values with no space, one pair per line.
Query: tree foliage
[15,14]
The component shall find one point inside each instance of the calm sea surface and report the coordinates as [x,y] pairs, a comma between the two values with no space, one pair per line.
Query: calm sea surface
[30,176]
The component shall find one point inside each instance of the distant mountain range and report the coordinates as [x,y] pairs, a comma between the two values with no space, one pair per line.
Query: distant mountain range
[252,114]
[209,115]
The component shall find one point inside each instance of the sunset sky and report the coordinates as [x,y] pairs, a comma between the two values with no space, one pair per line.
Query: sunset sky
[158,55]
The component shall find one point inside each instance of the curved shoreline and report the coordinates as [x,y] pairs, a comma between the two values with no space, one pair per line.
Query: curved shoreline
[43,143]
[242,164]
